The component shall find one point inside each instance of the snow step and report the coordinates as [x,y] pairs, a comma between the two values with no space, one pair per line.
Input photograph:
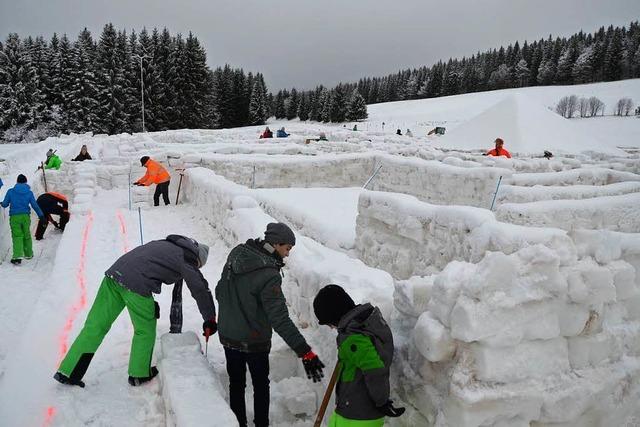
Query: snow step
[187,377]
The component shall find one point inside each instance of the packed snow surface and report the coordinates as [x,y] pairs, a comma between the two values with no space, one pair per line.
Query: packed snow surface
[526,314]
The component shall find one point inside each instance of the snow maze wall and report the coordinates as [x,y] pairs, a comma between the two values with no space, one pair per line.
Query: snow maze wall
[496,324]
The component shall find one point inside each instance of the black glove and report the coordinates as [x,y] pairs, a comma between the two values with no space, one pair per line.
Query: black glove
[390,411]
[313,366]
[209,327]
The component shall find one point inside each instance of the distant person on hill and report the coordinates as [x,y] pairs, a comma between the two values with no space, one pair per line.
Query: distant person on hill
[409,133]
[84,155]
[398,132]
[547,154]
[20,199]
[281,133]
[322,137]
[267,133]
[499,151]
[355,127]
[156,174]
[52,203]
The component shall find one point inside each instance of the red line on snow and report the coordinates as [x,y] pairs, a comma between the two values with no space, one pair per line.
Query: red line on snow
[123,231]
[63,340]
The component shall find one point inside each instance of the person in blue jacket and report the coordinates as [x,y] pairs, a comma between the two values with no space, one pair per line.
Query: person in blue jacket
[281,133]
[20,197]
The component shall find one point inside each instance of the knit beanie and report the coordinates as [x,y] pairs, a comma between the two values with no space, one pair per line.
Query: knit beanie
[22,179]
[279,233]
[49,153]
[331,304]
[203,254]
[144,160]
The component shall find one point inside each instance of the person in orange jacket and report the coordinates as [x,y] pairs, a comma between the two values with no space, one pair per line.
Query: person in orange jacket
[156,174]
[52,203]
[499,151]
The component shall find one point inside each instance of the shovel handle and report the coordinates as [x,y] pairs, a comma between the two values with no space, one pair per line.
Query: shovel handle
[327,395]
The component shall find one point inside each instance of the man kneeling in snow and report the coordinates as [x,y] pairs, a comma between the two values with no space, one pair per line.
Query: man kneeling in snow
[251,304]
[130,282]
[365,352]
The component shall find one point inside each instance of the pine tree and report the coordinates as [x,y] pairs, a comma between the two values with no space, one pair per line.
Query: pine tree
[291,109]
[583,69]
[14,96]
[110,83]
[258,103]
[522,72]
[357,107]
[338,110]
[279,107]
[84,104]
[613,57]
[303,107]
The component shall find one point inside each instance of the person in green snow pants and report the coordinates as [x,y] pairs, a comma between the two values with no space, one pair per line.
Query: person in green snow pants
[109,303]
[20,199]
[130,282]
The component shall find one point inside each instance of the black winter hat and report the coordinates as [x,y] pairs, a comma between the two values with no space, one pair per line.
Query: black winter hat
[143,160]
[22,179]
[279,233]
[331,304]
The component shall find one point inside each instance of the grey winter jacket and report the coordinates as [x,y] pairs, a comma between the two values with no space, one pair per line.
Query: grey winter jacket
[144,269]
[365,352]
[251,302]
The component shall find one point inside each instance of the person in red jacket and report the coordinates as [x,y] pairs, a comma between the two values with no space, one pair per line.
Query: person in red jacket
[499,151]
[156,174]
[267,133]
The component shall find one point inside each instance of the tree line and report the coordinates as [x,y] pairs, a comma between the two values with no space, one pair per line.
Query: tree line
[605,55]
[55,86]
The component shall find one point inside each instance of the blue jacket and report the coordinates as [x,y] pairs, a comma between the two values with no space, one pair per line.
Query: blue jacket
[281,134]
[20,197]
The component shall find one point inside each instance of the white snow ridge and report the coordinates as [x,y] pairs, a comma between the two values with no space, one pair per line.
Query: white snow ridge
[527,314]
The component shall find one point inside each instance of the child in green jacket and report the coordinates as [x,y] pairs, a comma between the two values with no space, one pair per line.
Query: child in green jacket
[365,353]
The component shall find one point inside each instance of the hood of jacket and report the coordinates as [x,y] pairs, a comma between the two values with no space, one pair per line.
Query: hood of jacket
[251,256]
[22,189]
[189,246]
[363,317]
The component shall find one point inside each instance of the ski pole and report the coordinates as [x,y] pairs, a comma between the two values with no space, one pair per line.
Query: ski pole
[496,193]
[44,177]
[327,395]
[206,346]
[140,221]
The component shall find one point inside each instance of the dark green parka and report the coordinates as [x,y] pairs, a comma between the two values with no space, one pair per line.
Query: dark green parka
[251,303]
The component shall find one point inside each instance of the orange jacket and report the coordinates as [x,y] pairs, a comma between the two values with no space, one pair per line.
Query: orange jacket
[156,174]
[502,152]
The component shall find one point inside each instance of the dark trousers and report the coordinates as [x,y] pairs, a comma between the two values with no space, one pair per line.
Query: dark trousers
[237,362]
[44,222]
[162,188]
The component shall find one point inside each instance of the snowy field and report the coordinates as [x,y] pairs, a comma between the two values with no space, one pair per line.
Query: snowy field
[527,314]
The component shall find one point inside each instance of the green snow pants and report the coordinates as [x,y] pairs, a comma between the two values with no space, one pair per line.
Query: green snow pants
[340,421]
[21,235]
[111,299]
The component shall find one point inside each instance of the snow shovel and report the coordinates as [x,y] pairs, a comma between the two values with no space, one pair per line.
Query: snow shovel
[179,184]
[327,395]
[44,176]
[175,314]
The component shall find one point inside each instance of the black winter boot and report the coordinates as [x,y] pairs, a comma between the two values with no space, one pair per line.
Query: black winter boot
[136,381]
[63,379]
[16,261]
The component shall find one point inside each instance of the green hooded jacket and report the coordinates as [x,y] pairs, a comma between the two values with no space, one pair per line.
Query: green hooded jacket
[251,303]
[53,162]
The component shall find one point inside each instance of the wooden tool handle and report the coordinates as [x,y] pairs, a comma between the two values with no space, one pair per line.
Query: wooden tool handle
[327,395]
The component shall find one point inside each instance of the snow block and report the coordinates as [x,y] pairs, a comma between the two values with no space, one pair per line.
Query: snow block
[432,339]
[624,279]
[573,319]
[590,350]
[530,359]
[461,412]
[590,283]
[411,296]
[473,320]
[187,379]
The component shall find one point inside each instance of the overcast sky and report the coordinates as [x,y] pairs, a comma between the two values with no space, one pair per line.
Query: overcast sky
[305,42]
